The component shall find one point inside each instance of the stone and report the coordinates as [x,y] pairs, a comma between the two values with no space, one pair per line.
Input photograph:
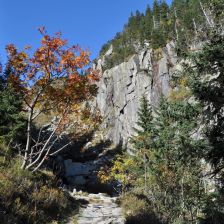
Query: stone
[121,87]
[88,144]
[100,210]
[78,169]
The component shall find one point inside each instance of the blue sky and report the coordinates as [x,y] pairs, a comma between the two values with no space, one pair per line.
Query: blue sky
[89,23]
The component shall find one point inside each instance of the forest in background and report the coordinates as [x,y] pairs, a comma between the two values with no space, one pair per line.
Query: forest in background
[184,22]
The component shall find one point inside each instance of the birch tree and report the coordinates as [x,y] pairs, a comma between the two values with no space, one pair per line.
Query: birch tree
[49,81]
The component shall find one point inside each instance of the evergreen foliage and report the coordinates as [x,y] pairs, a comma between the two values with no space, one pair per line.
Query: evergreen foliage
[145,116]
[12,123]
[166,163]
[173,168]
[207,84]
[187,128]
[183,22]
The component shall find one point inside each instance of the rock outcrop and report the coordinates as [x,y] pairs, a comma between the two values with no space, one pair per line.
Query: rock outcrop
[121,87]
[83,174]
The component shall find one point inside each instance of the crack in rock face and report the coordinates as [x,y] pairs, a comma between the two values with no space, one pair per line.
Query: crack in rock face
[121,88]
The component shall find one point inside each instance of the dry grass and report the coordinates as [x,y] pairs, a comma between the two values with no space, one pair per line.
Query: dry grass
[137,209]
[31,198]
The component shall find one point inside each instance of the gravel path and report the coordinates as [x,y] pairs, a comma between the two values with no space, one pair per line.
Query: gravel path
[99,209]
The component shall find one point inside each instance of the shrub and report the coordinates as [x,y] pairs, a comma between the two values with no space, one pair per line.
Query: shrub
[137,209]
[31,198]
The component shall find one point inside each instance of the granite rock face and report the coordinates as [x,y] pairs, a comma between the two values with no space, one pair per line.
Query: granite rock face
[121,87]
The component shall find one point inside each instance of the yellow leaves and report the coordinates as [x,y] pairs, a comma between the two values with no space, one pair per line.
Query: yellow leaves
[119,171]
[158,54]
[52,43]
[104,176]
[22,55]
[17,60]
[70,59]
[169,22]
[84,57]
[183,82]
[182,93]
[39,56]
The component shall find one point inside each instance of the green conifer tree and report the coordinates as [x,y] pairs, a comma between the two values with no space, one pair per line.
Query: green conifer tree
[11,121]
[174,161]
[144,116]
[207,84]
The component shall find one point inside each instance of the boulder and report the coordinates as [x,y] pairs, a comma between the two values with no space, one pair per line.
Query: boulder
[78,169]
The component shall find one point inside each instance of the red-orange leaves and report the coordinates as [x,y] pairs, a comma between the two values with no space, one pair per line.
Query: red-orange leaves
[53,43]
[11,49]
[75,77]
[51,75]
[45,39]
[17,60]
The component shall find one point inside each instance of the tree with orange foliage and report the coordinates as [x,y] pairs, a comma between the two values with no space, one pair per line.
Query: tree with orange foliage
[49,80]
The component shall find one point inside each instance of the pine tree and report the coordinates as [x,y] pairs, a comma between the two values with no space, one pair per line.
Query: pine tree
[164,15]
[12,123]
[142,141]
[156,14]
[174,160]
[207,83]
[148,24]
[144,116]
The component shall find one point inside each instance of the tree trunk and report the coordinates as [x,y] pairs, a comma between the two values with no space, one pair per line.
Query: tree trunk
[209,20]
[154,22]
[28,140]
[145,173]
[182,195]
[195,28]
[176,30]
[45,150]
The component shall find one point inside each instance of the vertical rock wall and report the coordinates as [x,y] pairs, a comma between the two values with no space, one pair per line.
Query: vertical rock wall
[121,87]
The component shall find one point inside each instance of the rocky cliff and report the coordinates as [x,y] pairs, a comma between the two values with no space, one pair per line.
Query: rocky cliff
[120,88]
